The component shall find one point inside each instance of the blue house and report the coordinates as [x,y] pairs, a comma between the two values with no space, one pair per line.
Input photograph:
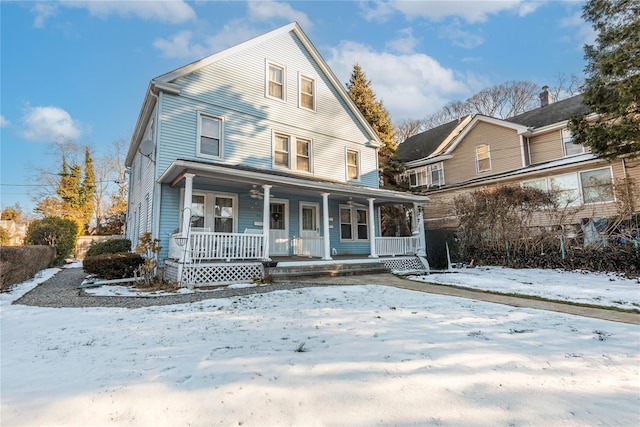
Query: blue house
[257,154]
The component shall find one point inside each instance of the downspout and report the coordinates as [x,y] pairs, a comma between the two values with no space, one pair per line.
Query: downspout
[157,191]
[522,152]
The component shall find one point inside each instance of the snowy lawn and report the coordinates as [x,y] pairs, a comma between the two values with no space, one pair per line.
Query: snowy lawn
[603,289]
[357,355]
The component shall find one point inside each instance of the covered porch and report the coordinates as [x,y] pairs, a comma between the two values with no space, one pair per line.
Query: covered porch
[232,215]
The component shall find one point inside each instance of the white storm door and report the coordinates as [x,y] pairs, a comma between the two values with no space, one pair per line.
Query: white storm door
[309,221]
[279,227]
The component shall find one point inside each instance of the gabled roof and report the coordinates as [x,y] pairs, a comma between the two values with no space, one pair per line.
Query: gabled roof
[553,113]
[426,143]
[165,83]
[520,129]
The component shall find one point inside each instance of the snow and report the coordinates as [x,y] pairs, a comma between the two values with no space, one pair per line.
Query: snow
[349,355]
[602,289]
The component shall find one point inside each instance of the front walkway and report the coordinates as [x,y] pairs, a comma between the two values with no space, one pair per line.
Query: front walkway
[61,291]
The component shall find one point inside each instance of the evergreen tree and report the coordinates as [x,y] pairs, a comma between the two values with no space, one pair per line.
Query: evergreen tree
[87,189]
[377,116]
[612,88]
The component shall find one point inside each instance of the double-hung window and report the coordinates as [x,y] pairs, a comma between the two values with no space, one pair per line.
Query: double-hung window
[275,81]
[281,151]
[353,165]
[307,93]
[292,152]
[483,158]
[568,147]
[354,223]
[209,136]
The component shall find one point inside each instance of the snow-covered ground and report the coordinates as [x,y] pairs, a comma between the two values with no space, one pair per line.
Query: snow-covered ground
[357,355]
[603,289]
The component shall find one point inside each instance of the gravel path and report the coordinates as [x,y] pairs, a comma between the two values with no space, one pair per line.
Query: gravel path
[61,291]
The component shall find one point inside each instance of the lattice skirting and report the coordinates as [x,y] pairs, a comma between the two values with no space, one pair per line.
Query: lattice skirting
[401,264]
[205,274]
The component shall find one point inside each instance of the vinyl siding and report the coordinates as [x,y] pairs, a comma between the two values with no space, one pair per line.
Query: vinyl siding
[546,147]
[504,147]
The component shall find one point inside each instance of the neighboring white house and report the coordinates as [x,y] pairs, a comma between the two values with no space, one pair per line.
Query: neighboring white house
[257,152]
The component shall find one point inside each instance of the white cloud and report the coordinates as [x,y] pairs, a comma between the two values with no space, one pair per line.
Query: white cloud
[180,46]
[4,122]
[49,124]
[411,85]
[455,32]
[405,43]
[170,11]
[267,10]
[584,32]
[469,10]
[42,11]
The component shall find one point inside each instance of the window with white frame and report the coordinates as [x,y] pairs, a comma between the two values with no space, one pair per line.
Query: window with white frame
[436,174]
[354,223]
[597,186]
[223,214]
[483,158]
[593,186]
[198,210]
[353,164]
[568,147]
[292,152]
[275,81]
[209,136]
[303,155]
[281,150]
[430,175]
[307,93]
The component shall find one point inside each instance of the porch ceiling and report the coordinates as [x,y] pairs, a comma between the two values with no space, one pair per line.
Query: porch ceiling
[243,178]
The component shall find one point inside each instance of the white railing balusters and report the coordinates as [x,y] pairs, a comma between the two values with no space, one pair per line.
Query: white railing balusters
[214,246]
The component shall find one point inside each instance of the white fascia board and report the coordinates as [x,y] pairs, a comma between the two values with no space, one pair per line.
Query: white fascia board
[461,125]
[486,119]
[555,126]
[174,173]
[143,117]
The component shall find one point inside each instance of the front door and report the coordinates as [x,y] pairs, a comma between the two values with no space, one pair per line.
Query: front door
[279,227]
[309,225]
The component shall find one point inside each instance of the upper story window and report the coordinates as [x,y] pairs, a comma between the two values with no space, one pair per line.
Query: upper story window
[483,158]
[568,147]
[307,93]
[436,174]
[353,165]
[281,151]
[303,155]
[209,136]
[430,175]
[292,152]
[275,81]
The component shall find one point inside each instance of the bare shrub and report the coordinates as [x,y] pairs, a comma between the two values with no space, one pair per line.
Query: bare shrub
[20,263]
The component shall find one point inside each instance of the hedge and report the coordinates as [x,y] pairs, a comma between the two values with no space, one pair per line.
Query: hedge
[112,246]
[112,266]
[59,232]
[20,263]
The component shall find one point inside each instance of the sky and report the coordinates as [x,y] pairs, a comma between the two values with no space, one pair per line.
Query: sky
[333,355]
[77,71]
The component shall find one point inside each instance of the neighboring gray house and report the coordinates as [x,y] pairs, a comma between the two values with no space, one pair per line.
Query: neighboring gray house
[257,153]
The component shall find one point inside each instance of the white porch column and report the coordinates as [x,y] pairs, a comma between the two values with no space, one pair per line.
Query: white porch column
[266,224]
[186,203]
[422,250]
[326,238]
[372,230]
[414,219]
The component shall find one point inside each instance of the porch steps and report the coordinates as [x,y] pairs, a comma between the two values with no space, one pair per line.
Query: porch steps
[291,273]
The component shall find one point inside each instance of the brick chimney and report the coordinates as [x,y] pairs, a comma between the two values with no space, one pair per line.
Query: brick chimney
[545,96]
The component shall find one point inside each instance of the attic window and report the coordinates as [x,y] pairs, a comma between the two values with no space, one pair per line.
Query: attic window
[483,158]
[307,90]
[275,81]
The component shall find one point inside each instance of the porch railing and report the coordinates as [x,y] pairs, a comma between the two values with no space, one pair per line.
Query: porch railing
[308,246]
[217,246]
[386,246]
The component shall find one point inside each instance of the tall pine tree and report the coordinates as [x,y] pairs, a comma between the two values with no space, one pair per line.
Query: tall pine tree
[612,88]
[377,116]
[87,189]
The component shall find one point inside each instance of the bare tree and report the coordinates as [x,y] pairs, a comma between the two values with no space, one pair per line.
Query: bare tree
[407,128]
[566,86]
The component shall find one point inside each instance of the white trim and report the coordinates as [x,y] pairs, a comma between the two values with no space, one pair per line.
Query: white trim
[315,205]
[199,153]
[284,231]
[292,160]
[314,93]
[354,223]
[210,206]
[486,119]
[564,145]
[267,81]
